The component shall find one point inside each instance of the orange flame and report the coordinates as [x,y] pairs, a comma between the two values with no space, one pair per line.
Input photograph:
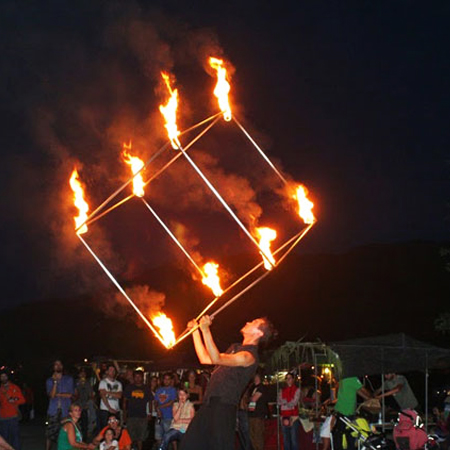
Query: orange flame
[222,88]
[169,111]
[165,327]
[79,202]
[136,165]
[266,236]
[305,205]
[211,278]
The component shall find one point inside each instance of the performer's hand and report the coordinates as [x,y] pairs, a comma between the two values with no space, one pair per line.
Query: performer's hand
[205,323]
[192,324]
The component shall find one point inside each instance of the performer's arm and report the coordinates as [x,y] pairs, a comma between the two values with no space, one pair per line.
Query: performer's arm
[239,359]
[200,349]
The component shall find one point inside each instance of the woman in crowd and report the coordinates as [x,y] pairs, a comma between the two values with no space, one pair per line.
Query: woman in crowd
[183,412]
[70,437]
[288,399]
[120,434]
[195,390]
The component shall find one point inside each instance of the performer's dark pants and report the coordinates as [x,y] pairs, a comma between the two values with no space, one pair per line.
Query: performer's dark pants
[212,428]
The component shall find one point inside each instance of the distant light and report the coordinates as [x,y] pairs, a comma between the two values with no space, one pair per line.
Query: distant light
[12,371]
[85,360]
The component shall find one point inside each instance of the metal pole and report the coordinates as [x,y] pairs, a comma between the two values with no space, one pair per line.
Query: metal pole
[278,412]
[243,277]
[224,203]
[283,179]
[426,391]
[121,290]
[174,238]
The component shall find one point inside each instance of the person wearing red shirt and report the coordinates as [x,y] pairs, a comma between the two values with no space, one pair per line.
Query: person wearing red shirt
[10,398]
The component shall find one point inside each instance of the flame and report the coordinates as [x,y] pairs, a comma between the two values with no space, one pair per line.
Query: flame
[222,88]
[305,205]
[79,202]
[266,236]
[136,165]
[165,327]
[169,111]
[211,278]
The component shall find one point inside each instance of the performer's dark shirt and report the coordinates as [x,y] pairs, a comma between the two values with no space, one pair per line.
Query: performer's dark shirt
[228,383]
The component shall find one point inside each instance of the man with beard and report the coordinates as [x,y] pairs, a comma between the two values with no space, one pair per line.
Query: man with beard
[10,399]
[214,424]
[60,389]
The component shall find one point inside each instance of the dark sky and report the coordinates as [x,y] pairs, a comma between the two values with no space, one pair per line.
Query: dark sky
[352,98]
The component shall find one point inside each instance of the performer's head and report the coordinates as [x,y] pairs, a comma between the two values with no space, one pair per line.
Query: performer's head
[259,330]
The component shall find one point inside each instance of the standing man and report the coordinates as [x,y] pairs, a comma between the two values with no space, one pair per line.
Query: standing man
[110,391]
[213,425]
[165,397]
[84,395]
[257,413]
[10,399]
[398,386]
[349,389]
[60,390]
[136,397]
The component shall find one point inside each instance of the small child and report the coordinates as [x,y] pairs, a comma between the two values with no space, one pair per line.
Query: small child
[108,442]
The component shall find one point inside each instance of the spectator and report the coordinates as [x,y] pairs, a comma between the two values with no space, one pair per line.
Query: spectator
[27,409]
[120,434]
[257,412]
[349,389]
[288,399]
[60,389]
[165,398]
[84,395]
[136,397]
[109,442]
[152,413]
[10,398]
[398,386]
[194,389]
[70,437]
[183,411]
[110,391]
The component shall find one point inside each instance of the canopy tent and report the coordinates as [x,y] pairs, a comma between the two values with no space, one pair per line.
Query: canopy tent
[388,353]
[391,353]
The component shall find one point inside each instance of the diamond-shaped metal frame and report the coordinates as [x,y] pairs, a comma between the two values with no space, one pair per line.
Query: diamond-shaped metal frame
[230,290]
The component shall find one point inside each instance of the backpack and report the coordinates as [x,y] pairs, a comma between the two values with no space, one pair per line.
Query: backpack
[408,432]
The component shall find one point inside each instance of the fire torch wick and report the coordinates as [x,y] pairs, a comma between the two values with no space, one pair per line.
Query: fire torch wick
[121,290]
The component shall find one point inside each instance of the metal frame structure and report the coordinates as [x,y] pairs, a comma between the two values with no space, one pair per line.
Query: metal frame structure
[105,207]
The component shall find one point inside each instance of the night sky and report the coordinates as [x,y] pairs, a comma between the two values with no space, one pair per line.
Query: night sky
[351,98]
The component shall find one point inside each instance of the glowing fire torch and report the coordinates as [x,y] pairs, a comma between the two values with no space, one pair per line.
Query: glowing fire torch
[266,236]
[222,88]
[165,327]
[79,202]
[169,111]
[136,165]
[211,278]
[305,205]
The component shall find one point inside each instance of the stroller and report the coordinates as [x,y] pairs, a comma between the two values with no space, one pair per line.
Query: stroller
[366,438]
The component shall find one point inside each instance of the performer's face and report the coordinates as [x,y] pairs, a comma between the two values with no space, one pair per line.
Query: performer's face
[252,328]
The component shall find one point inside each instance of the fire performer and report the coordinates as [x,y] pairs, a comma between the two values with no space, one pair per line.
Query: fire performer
[214,424]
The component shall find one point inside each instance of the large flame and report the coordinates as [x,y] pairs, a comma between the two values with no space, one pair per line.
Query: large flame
[165,327]
[305,205]
[222,88]
[136,165]
[79,202]
[169,111]
[211,278]
[266,235]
